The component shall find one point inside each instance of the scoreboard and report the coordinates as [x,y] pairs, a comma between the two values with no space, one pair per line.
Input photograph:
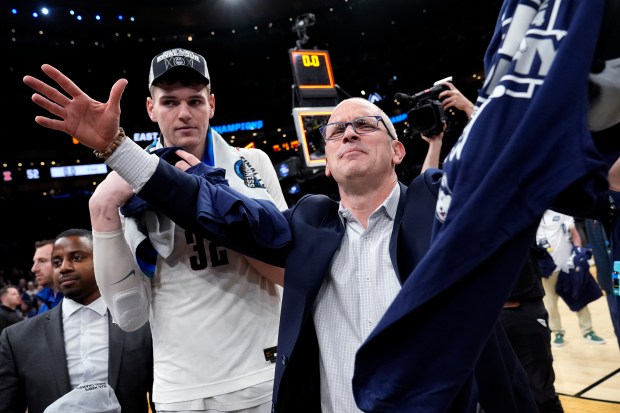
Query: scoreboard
[24,174]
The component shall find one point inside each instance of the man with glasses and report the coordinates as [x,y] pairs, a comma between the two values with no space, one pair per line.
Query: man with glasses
[363,125]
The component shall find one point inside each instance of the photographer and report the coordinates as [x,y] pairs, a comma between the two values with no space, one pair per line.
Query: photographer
[427,115]
[450,97]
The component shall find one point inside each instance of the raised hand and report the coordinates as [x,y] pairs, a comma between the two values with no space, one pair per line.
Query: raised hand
[435,138]
[94,124]
[434,150]
[453,98]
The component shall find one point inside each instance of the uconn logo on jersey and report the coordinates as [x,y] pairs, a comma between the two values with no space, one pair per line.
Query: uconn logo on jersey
[529,39]
[444,200]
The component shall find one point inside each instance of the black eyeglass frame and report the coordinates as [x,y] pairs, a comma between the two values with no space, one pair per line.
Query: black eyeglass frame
[377,118]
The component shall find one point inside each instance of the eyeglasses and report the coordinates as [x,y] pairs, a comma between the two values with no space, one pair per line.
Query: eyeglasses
[362,126]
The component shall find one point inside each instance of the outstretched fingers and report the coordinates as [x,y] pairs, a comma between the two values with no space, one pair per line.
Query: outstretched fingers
[50,123]
[46,90]
[93,123]
[50,106]
[51,99]
[63,81]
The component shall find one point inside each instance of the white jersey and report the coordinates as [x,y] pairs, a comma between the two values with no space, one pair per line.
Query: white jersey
[210,306]
[555,228]
[213,317]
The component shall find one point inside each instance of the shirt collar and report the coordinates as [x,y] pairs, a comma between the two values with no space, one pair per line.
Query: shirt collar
[390,205]
[69,307]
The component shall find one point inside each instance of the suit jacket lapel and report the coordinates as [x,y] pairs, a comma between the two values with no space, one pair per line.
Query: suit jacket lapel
[55,341]
[116,338]
[397,226]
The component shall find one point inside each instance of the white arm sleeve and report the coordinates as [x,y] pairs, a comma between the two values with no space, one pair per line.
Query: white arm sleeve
[124,288]
[133,164]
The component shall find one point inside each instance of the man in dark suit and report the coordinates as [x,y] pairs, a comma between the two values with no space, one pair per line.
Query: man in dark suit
[45,357]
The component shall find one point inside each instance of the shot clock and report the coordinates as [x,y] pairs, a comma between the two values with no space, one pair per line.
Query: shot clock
[312,69]
[313,76]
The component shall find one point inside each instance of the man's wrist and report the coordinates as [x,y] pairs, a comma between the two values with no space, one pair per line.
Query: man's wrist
[133,164]
[109,150]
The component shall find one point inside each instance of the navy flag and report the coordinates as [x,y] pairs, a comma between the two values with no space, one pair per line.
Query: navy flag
[527,143]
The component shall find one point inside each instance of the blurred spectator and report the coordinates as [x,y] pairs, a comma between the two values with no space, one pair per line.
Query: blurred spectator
[49,296]
[21,285]
[10,300]
[28,309]
[32,291]
[26,304]
[557,234]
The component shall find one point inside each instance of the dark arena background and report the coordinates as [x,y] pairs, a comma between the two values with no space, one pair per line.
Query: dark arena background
[376,49]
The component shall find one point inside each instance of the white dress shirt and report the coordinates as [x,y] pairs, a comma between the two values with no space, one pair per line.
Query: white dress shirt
[360,286]
[86,341]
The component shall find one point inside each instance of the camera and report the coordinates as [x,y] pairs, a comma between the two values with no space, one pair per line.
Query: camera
[426,115]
